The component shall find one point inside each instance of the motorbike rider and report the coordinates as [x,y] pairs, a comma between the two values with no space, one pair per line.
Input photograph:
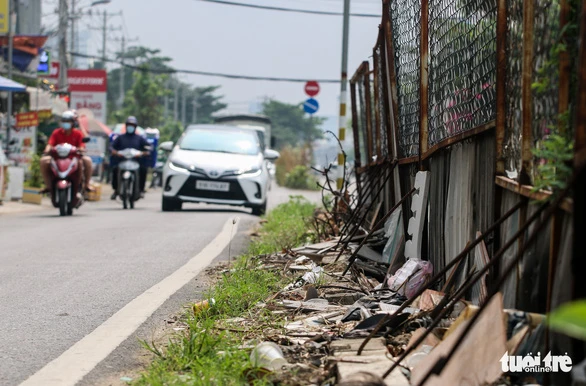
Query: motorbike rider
[133,141]
[61,135]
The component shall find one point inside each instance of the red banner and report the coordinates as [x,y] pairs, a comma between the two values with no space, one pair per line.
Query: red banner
[87,80]
[27,119]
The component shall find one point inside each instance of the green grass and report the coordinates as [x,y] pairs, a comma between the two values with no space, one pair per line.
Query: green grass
[209,352]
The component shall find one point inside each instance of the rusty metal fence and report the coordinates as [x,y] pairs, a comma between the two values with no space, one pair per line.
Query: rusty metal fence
[467,89]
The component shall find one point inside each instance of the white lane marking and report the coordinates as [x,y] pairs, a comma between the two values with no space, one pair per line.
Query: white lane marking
[81,358]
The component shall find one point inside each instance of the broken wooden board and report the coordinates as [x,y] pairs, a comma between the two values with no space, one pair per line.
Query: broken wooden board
[352,345]
[308,306]
[476,361]
[375,364]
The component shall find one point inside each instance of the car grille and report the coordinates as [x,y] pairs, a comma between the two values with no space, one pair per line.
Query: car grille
[235,193]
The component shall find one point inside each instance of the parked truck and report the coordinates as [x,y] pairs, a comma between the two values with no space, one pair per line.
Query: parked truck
[260,123]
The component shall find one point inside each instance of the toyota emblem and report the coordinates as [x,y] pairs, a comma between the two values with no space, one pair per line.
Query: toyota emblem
[213,173]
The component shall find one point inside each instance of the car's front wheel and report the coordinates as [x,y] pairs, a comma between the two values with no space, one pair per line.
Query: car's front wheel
[259,210]
[171,204]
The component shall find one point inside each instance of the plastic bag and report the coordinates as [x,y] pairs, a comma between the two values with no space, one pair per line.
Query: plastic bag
[411,277]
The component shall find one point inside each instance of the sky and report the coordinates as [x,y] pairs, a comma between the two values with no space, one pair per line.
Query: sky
[228,39]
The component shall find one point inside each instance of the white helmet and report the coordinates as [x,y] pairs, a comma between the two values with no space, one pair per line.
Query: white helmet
[68,116]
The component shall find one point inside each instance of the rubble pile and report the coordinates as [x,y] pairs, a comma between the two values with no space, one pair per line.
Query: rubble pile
[328,316]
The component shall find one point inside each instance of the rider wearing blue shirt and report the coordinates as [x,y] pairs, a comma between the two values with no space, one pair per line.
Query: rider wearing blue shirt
[130,140]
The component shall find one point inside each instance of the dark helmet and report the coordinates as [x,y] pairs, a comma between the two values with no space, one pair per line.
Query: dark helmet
[131,120]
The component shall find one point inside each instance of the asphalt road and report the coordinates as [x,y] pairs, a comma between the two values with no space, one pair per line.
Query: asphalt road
[62,277]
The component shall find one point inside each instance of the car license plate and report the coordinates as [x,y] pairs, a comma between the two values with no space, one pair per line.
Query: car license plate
[212,185]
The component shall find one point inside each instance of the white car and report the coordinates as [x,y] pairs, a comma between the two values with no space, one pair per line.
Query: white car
[216,164]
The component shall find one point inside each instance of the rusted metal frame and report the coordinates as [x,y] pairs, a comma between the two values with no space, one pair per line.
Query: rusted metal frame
[424,82]
[580,124]
[380,222]
[368,107]
[361,200]
[579,215]
[526,97]
[392,95]
[377,102]
[365,214]
[527,191]
[565,66]
[441,363]
[463,289]
[458,138]
[501,83]
[554,250]
[356,133]
[409,160]
[439,275]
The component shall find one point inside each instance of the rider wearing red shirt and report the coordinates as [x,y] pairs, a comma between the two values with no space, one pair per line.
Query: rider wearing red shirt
[65,134]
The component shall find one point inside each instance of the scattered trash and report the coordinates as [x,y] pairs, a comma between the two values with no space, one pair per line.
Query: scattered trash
[203,305]
[411,277]
[269,356]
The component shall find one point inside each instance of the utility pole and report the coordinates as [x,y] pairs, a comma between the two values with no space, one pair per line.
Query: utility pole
[11,25]
[122,87]
[105,30]
[122,70]
[176,102]
[194,117]
[62,82]
[183,106]
[343,91]
[73,37]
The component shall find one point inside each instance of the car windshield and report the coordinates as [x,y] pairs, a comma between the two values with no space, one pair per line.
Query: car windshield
[220,141]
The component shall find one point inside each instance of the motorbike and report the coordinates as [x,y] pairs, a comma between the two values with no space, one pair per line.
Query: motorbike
[157,180]
[129,177]
[66,192]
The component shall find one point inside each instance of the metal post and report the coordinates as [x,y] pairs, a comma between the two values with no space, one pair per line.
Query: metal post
[501,79]
[62,83]
[122,70]
[104,39]
[194,117]
[183,106]
[343,90]
[423,76]
[73,40]
[176,102]
[11,23]
[527,99]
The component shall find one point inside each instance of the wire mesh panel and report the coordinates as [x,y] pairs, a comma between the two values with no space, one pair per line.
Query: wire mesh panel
[381,120]
[462,68]
[545,71]
[512,142]
[406,16]
[362,117]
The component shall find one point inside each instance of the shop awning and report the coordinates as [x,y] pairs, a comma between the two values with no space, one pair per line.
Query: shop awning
[10,85]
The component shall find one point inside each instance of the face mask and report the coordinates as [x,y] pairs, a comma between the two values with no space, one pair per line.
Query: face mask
[130,129]
[66,125]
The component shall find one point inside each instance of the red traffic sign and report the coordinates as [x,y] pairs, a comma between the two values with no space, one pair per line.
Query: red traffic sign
[312,88]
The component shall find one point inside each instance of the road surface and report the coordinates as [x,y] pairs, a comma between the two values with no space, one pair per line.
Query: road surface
[62,277]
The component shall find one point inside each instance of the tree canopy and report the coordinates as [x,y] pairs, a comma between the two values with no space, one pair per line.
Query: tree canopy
[290,124]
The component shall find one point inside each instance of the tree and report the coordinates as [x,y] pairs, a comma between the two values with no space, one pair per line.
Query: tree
[290,125]
[171,131]
[143,100]
[207,104]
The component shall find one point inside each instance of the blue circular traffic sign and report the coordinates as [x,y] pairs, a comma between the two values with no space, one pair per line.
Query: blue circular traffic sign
[311,106]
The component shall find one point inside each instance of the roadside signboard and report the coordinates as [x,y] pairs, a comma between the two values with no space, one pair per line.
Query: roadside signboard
[311,106]
[27,119]
[88,91]
[312,88]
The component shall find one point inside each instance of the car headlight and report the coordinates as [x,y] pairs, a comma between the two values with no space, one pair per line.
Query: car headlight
[254,170]
[178,166]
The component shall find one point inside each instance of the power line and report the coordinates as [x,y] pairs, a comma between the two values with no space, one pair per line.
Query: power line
[270,8]
[205,73]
